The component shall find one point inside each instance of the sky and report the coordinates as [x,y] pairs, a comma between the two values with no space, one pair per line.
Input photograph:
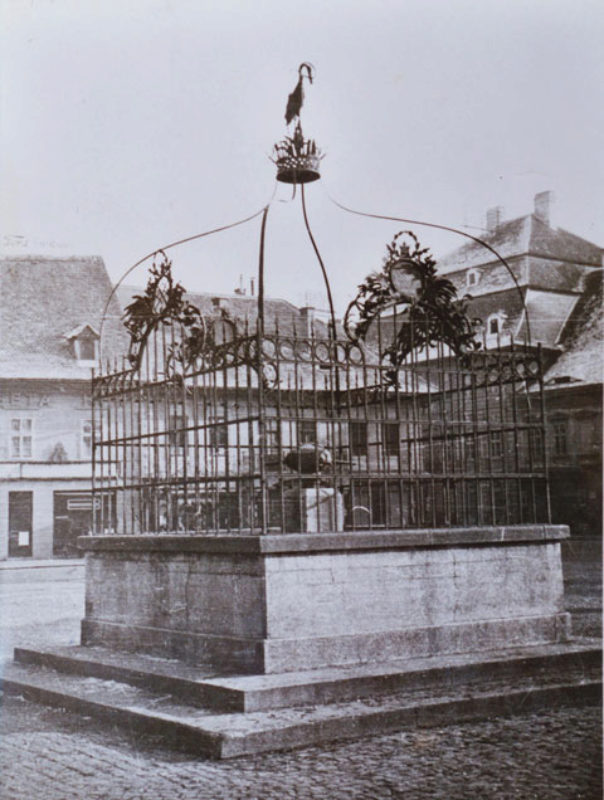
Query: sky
[129,124]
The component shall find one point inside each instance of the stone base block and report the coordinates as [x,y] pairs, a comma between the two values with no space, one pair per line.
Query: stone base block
[306,601]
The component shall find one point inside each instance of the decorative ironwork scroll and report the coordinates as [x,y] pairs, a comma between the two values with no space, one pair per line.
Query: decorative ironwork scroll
[428,310]
[164,303]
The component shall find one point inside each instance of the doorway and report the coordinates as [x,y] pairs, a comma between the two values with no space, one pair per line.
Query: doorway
[20,524]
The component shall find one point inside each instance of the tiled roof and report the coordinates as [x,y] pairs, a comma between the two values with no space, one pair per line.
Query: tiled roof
[242,308]
[582,339]
[511,239]
[524,236]
[42,300]
[550,265]
[559,243]
[278,313]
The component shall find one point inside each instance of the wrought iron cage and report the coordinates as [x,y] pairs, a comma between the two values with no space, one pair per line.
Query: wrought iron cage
[281,430]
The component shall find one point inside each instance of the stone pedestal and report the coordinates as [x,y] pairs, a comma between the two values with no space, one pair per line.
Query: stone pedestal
[322,510]
[279,603]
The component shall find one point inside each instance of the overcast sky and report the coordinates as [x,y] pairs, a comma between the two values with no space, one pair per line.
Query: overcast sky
[128,124]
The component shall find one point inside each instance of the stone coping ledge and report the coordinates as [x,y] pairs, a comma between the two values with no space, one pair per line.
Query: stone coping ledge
[290,543]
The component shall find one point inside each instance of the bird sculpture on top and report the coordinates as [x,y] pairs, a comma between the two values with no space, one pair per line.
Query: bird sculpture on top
[296,98]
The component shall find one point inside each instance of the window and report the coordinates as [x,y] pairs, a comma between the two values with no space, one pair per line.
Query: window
[560,438]
[496,445]
[87,348]
[378,503]
[470,452]
[495,324]
[86,439]
[21,442]
[85,342]
[307,431]
[85,345]
[271,427]
[358,438]
[535,444]
[472,277]
[589,430]
[219,434]
[391,437]
[177,435]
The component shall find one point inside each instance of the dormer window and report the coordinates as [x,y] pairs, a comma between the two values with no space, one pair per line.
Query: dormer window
[472,277]
[85,343]
[86,348]
[495,324]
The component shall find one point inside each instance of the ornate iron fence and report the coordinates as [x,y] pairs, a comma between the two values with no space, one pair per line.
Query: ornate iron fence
[259,431]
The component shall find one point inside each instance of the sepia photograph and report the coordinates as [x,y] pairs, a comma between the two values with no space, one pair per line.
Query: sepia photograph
[301,365]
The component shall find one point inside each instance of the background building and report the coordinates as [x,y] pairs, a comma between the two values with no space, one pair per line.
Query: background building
[559,284]
[50,318]
[50,313]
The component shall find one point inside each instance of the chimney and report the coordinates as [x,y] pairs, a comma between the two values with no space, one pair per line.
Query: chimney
[544,202]
[308,317]
[494,218]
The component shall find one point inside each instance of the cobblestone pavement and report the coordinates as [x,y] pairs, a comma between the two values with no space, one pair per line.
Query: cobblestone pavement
[40,604]
[48,754]
[554,755]
[582,567]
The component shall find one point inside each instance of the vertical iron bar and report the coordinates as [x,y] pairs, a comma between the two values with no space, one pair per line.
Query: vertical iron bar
[548,507]
[93,433]
[260,368]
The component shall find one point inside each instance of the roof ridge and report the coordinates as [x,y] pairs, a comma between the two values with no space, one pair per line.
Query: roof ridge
[44,257]
[221,295]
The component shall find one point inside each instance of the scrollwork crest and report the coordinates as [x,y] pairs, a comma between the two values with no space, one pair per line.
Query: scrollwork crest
[428,309]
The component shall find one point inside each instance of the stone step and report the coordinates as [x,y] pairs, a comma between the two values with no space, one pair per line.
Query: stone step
[202,687]
[229,734]
[161,675]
